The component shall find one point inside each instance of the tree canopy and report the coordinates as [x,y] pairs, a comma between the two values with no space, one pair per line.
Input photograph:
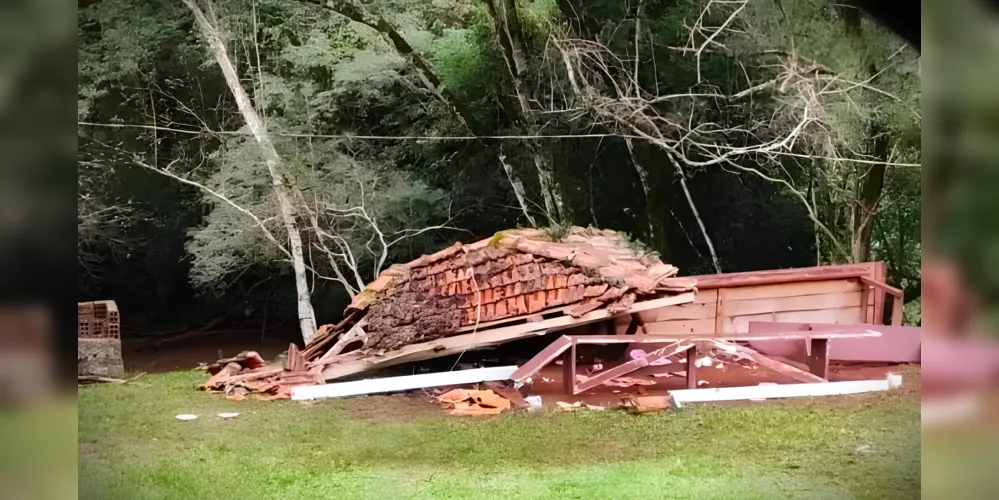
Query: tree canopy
[726,136]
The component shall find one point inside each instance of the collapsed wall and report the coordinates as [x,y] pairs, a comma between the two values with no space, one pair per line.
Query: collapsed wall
[515,273]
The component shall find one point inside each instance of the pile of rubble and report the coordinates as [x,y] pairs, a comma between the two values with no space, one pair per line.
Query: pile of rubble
[516,284]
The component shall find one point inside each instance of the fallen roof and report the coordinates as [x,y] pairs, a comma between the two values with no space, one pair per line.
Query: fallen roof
[514,274]
[517,284]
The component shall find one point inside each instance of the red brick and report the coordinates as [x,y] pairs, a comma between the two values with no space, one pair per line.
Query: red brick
[561,281]
[501,309]
[511,307]
[499,293]
[522,305]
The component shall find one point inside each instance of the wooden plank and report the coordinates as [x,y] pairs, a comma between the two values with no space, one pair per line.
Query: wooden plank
[681,397]
[719,325]
[405,383]
[487,338]
[569,368]
[706,296]
[692,367]
[790,289]
[817,357]
[561,323]
[740,324]
[540,360]
[846,332]
[842,315]
[699,326]
[681,311]
[801,274]
[766,362]
[882,286]
[630,366]
[897,344]
[866,306]
[797,303]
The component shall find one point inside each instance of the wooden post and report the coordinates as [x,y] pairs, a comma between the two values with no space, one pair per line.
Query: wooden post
[817,358]
[569,369]
[692,368]
[866,315]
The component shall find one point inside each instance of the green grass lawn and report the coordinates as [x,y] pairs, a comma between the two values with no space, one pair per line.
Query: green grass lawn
[398,447]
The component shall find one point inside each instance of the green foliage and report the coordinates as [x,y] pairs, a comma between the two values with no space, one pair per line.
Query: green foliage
[556,231]
[320,81]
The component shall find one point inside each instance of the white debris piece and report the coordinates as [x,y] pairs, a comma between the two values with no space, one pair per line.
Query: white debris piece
[186,416]
[533,403]
[228,415]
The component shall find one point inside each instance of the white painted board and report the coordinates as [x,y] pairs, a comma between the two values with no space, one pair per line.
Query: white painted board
[404,383]
[681,397]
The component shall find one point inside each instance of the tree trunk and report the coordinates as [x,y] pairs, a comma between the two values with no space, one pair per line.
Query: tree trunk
[306,314]
[425,72]
[865,209]
[506,25]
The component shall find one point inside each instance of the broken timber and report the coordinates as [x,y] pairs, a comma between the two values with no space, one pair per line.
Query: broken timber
[566,347]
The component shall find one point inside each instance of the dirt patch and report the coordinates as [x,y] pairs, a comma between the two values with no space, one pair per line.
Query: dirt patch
[393,408]
[88,451]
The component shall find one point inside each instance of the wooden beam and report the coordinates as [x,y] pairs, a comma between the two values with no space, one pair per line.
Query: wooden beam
[486,338]
[882,286]
[817,357]
[630,366]
[681,397]
[541,360]
[772,364]
[815,273]
[791,335]
[404,383]
[692,367]
[569,369]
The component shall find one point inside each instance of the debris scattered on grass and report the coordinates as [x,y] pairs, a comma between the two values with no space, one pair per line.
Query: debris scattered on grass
[228,415]
[186,416]
[644,404]
[595,407]
[569,407]
[468,402]
[628,382]
[864,448]
[533,403]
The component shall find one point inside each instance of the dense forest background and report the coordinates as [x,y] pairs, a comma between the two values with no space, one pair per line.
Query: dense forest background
[726,136]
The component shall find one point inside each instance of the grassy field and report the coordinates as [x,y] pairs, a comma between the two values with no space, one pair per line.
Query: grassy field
[400,447]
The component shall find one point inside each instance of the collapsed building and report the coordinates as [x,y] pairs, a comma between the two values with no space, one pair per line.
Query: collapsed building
[515,284]
[596,289]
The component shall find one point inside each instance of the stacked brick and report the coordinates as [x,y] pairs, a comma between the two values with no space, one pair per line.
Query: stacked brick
[99,339]
[520,274]
[98,320]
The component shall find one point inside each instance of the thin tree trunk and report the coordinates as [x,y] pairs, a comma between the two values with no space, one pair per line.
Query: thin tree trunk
[865,210]
[425,73]
[506,25]
[697,215]
[643,176]
[306,314]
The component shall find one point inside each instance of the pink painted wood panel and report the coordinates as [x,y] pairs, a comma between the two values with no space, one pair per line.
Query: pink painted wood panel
[897,344]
